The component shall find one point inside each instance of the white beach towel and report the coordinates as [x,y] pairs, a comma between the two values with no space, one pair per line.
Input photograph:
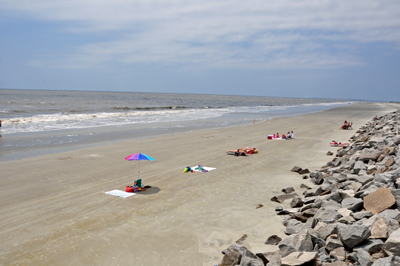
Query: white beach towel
[120,193]
[205,168]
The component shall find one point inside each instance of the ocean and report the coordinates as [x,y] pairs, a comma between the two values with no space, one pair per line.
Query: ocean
[37,122]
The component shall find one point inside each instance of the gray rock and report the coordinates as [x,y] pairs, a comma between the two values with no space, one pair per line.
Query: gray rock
[352,204]
[322,255]
[364,179]
[359,165]
[327,216]
[288,190]
[352,235]
[364,258]
[369,155]
[286,246]
[331,205]
[370,245]
[283,197]
[298,258]
[231,258]
[273,240]
[304,186]
[362,214]
[308,200]
[346,220]
[315,191]
[296,169]
[390,214]
[392,244]
[317,178]
[304,171]
[296,202]
[338,254]
[251,260]
[388,261]
[247,257]
[293,227]
[318,242]
[271,258]
[333,242]
[296,243]
[324,230]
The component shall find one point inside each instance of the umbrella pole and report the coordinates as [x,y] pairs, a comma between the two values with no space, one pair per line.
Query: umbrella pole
[139,170]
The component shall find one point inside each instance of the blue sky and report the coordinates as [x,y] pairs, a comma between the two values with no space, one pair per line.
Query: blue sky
[325,49]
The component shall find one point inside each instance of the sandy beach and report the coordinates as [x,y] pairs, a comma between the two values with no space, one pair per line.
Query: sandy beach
[54,210]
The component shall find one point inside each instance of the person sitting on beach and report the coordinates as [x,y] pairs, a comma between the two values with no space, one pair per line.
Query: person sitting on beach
[345,125]
[288,135]
[292,134]
[284,136]
[277,135]
[373,119]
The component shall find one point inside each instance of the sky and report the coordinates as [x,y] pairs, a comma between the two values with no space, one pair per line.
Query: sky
[287,48]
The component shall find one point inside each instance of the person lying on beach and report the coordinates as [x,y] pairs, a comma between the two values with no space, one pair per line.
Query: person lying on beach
[242,151]
[237,152]
[334,143]
[248,150]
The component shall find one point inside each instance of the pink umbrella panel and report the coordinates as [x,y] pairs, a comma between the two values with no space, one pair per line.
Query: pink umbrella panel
[139,157]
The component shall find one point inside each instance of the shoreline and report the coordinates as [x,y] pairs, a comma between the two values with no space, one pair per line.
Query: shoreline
[20,145]
[58,201]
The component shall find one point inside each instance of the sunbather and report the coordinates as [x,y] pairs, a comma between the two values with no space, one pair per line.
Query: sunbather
[248,150]
[238,152]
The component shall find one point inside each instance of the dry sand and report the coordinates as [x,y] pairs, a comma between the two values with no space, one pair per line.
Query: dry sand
[54,210]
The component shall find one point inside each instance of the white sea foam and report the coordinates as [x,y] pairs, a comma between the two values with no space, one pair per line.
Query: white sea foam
[60,121]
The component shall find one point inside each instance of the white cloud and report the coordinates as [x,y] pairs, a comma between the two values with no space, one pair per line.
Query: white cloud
[224,33]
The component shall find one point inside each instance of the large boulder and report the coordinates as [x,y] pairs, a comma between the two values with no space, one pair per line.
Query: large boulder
[379,200]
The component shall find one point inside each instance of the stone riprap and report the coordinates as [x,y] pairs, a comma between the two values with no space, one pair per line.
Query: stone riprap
[350,217]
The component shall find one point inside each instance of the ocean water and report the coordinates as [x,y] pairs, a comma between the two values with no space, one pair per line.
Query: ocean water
[36,122]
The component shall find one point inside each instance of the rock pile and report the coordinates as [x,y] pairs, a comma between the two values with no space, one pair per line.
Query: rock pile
[350,217]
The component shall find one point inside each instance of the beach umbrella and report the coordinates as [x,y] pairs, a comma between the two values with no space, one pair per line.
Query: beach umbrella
[139,157]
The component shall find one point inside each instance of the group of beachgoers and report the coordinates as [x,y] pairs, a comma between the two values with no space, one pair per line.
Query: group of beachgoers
[289,135]
[346,125]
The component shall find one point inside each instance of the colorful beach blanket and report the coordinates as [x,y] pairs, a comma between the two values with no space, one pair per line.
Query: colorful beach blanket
[199,168]
[120,193]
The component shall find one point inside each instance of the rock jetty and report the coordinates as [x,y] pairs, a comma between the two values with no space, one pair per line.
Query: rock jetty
[350,217]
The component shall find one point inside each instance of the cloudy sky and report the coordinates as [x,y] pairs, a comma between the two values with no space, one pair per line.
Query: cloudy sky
[294,48]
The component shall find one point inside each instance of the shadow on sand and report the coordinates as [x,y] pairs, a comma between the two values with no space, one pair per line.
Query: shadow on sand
[149,191]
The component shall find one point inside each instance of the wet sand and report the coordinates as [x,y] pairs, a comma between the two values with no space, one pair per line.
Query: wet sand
[54,210]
